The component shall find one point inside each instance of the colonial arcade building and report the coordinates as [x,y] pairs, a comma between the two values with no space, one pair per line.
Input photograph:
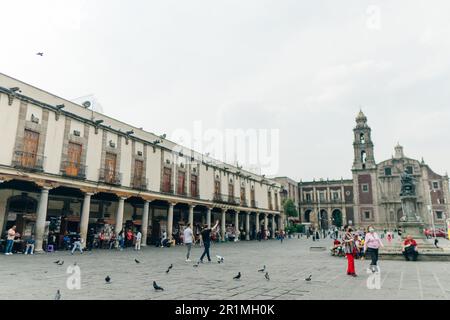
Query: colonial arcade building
[65,168]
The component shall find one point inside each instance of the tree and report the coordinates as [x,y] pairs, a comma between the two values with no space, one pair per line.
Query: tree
[289,208]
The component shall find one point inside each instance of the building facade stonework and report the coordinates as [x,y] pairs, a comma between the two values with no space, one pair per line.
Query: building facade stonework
[66,168]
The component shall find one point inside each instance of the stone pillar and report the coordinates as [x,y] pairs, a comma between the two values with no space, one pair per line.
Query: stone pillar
[119,215]
[266,221]
[236,225]
[41,218]
[222,224]
[170,221]
[3,200]
[208,216]
[274,226]
[247,226]
[84,223]
[191,216]
[257,222]
[144,228]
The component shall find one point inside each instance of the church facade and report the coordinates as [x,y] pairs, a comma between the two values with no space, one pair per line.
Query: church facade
[372,196]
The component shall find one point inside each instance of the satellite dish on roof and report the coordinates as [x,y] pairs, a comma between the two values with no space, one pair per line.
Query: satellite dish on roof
[86,104]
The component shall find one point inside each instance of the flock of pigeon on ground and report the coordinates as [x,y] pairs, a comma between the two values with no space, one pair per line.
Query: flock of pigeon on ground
[156,287]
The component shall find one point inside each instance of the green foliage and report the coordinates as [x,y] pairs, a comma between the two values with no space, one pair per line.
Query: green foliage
[289,208]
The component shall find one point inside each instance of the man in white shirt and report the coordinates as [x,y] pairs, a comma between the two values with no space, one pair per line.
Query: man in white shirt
[188,238]
[10,240]
[138,238]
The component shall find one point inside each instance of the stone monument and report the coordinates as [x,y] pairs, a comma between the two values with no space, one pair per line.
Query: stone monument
[411,223]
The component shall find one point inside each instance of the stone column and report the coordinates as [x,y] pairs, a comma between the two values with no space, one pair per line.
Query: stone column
[41,218]
[84,223]
[266,221]
[208,216]
[257,222]
[170,221]
[144,230]
[247,226]
[274,226]
[222,224]
[191,216]
[119,215]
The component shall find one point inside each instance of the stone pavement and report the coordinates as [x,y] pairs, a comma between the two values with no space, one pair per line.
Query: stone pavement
[37,277]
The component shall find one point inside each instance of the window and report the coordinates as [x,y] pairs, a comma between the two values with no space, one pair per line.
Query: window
[30,149]
[388,171]
[167,180]
[138,178]
[365,187]
[217,188]
[335,195]
[362,138]
[181,183]
[435,185]
[308,197]
[194,192]
[363,156]
[439,215]
[321,196]
[409,169]
[367,215]
[72,166]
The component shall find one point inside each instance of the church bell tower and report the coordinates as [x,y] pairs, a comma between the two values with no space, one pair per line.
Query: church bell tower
[363,145]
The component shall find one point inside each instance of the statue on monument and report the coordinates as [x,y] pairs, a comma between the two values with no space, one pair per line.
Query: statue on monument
[408,184]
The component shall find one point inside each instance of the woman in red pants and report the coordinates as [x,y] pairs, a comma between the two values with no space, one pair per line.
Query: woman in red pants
[349,246]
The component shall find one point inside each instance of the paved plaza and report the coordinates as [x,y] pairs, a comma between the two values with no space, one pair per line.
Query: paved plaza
[288,264]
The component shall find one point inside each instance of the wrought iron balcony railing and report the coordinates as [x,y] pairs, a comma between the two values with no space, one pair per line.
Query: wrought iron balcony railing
[73,169]
[139,183]
[225,198]
[110,176]
[28,161]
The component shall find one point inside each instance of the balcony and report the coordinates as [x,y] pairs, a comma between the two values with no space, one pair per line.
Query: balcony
[73,170]
[139,183]
[244,202]
[254,204]
[167,189]
[28,161]
[110,176]
[225,198]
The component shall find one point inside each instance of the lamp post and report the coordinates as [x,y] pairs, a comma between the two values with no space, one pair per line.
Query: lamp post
[430,209]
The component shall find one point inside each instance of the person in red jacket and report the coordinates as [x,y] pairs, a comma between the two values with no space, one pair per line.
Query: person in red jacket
[410,248]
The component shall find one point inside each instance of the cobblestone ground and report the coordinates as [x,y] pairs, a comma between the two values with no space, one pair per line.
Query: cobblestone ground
[288,264]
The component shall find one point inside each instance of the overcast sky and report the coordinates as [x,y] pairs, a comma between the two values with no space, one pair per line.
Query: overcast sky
[303,67]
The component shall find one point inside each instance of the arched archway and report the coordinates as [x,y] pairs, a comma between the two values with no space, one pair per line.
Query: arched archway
[323,219]
[307,215]
[20,211]
[336,218]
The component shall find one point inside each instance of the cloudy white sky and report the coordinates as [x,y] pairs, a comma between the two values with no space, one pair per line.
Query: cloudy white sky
[303,67]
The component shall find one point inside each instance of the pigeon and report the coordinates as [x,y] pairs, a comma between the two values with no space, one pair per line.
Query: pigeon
[168,270]
[61,263]
[309,278]
[40,54]
[57,261]
[219,259]
[156,287]
[137,261]
[58,295]
[108,279]
[238,276]
[267,276]
[196,265]
[171,266]
[263,269]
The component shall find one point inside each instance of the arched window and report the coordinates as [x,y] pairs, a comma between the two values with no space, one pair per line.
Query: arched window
[363,156]
[362,138]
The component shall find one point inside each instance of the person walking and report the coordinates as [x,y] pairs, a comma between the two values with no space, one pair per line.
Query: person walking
[138,238]
[349,249]
[188,239]
[206,237]
[11,235]
[372,243]
[77,244]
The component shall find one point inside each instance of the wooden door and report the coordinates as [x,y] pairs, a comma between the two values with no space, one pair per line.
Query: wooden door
[167,177]
[138,180]
[230,192]
[242,194]
[217,188]
[181,182]
[73,159]
[30,149]
[110,167]
[193,186]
